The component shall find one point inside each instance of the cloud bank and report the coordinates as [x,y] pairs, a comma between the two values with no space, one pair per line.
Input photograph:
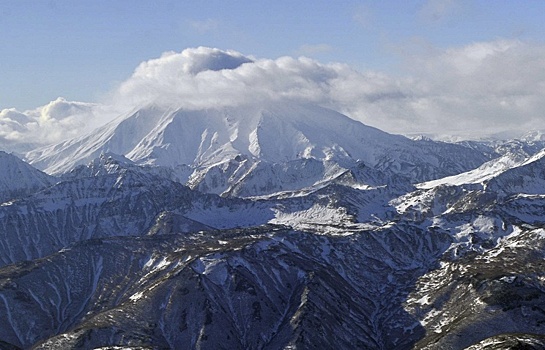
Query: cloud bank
[54,122]
[475,89]
[484,87]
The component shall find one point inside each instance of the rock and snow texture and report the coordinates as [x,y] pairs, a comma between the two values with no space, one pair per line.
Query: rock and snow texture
[273,133]
[263,224]
[267,287]
[278,226]
[119,254]
[18,178]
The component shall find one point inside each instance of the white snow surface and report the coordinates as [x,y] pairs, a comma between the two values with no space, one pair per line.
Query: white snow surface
[277,132]
[511,173]
[16,175]
[485,172]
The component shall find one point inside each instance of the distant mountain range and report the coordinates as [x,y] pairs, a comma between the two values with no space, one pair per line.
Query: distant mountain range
[272,226]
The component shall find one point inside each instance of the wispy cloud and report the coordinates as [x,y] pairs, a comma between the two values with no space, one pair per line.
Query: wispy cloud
[440,10]
[484,86]
[362,16]
[204,26]
[310,50]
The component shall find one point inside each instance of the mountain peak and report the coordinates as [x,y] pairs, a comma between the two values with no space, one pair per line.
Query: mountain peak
[274,132]
[18,178]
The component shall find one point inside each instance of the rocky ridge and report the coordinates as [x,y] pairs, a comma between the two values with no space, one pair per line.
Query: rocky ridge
[399,245]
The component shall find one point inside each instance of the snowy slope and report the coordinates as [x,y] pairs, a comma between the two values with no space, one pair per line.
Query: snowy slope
[119,137]
[261,288]
[17,178]
[271,225]
[526,178]
[144,261]
[270,134]
[483,173]
[509,174]
[205,137]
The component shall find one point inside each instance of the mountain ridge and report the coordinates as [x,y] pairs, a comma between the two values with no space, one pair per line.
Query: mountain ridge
[291,227]
[234,142]
[222,211]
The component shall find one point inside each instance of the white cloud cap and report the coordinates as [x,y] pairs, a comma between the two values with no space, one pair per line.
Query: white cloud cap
[480,88]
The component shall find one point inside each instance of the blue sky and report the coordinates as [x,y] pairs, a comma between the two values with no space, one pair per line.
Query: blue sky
[426,66]
[82,49]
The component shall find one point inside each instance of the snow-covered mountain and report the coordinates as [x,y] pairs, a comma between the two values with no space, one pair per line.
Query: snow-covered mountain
[18,178]
[258,150]
[276,226]
[508,174]
[111,197]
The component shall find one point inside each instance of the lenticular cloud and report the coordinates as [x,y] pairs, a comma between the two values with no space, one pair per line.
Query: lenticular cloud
[489,86]
[208,78]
